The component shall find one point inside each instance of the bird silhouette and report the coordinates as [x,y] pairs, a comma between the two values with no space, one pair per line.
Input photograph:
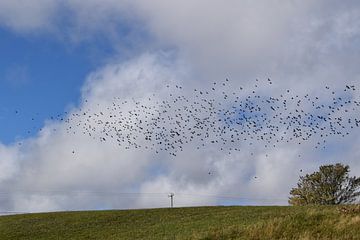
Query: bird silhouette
[221,116]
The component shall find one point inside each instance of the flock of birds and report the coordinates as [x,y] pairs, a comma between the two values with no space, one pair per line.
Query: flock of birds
[220,116]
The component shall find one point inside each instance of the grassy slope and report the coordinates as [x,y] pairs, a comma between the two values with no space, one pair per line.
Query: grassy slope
[187,223]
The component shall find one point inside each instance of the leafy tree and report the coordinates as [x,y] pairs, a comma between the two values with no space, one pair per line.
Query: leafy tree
[330,185]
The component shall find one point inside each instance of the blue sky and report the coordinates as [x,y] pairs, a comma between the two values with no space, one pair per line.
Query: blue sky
[41,76]
[51,50]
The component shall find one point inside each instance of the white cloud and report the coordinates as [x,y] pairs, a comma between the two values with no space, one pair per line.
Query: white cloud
[9,162]
[300,44]
[27,15]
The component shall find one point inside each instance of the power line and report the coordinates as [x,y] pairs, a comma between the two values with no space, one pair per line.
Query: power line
[51,193]
[59,192]
[133,194]
[230,197]
[11,212]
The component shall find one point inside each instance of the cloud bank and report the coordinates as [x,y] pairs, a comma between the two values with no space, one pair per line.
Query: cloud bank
[299,44]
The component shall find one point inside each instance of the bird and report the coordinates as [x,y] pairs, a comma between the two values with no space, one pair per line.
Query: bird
[221,115]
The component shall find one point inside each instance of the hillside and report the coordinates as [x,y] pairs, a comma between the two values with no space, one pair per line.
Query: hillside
[187,223]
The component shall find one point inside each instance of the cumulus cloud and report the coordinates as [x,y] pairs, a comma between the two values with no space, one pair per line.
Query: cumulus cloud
[26,16]
[57,162]
[8,163]
[294,42]
[300,44]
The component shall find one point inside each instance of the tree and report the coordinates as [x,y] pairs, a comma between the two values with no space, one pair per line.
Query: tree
[330,185]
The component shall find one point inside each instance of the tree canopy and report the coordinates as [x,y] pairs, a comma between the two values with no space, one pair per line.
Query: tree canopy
[329,186]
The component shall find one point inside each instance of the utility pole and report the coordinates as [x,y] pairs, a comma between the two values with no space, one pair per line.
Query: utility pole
[171,196]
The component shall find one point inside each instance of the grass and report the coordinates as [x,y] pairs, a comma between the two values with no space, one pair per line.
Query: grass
[206,223]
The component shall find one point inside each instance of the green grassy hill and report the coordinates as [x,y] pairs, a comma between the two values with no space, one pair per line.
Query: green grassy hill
[187,223]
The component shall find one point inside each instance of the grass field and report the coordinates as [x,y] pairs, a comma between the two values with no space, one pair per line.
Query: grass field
[315,222]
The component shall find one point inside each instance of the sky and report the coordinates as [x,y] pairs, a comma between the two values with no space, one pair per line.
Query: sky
[58,57]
